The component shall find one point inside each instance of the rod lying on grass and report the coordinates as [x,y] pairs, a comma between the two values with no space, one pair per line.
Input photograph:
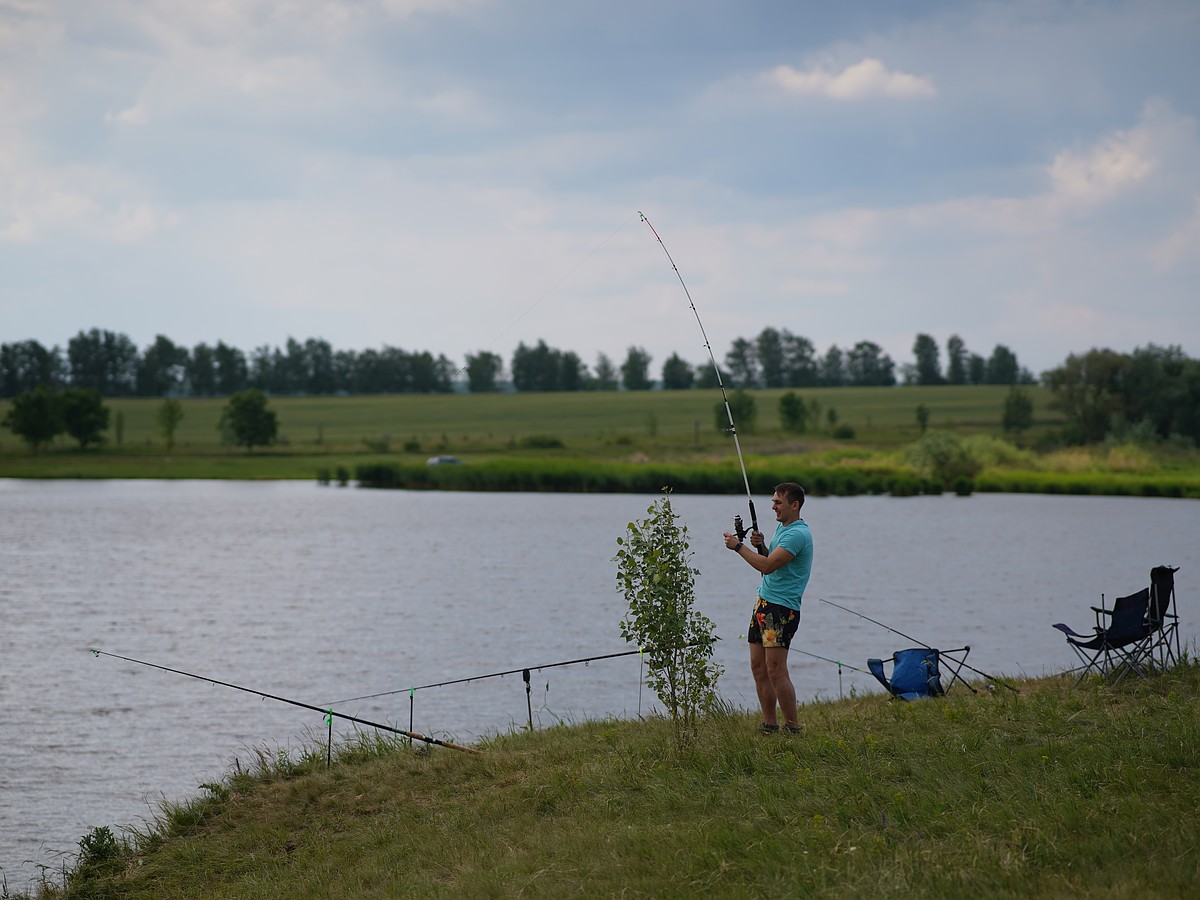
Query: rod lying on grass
[325,712]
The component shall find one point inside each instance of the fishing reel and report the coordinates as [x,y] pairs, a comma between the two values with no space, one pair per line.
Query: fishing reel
[741,531]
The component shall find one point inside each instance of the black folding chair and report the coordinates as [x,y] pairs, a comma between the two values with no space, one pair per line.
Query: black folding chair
[916,674]
[1138,635]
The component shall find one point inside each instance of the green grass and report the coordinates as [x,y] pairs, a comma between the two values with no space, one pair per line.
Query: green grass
[1054,791]
[590,423]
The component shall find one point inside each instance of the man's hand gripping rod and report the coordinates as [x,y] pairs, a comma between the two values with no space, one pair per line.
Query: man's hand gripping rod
[737,521]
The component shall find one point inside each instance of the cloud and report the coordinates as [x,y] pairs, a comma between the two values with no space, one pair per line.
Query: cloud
[1119,161]
[861,81]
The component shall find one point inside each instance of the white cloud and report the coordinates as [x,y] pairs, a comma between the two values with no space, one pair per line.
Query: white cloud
[1101,172]
[860,81]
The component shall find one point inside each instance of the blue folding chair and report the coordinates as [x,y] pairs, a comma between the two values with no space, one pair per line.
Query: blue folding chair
[916,674]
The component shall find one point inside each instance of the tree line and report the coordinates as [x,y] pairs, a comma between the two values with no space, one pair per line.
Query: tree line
[111,364]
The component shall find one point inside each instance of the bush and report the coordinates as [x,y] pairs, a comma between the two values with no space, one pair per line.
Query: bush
[844,433]
[943,457]
[654,571]
[541,442]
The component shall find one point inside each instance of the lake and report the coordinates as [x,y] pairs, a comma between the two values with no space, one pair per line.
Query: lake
[318,594]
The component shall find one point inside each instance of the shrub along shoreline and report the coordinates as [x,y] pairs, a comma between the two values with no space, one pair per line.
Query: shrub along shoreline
[585,476]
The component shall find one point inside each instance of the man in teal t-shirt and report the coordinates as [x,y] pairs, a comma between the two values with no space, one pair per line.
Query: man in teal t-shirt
[785,571]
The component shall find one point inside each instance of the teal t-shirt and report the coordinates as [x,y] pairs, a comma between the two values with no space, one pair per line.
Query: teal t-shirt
[786,585]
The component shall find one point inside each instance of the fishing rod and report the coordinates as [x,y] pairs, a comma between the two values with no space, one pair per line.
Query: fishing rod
[523,669]
[737,521]
[908,637]
[325,712]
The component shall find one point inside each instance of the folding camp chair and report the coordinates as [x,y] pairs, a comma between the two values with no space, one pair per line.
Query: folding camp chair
[915,672]
[1160,647]
[1141,634]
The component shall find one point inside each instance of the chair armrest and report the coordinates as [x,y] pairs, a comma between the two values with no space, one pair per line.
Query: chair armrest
[1097,609]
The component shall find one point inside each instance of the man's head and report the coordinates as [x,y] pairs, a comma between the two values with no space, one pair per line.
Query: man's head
[787,501]
[792,491]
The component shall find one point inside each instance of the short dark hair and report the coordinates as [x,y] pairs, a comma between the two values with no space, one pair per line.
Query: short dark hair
[792,491]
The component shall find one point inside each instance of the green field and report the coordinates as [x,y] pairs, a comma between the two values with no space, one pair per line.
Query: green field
[617,441]
[592,424]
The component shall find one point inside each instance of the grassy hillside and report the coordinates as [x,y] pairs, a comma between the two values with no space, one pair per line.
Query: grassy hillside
[1054,791]
[631,441]
[589,423]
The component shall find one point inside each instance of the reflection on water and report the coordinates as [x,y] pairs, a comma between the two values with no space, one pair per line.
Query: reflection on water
[317,594]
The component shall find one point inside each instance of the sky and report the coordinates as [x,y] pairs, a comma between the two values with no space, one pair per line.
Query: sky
[463,175]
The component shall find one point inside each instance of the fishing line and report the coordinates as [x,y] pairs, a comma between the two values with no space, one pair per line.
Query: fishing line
[523,669]
[721,384]
[325,711]
[908,637]
[421,687]
[554,287]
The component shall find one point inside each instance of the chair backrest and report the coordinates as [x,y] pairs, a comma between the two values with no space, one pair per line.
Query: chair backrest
[1162,590]
[1129,617]
[916,671]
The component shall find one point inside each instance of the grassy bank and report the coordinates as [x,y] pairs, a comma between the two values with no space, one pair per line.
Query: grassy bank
[1054,791]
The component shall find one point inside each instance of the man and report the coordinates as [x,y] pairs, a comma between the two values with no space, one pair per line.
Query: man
[785,570]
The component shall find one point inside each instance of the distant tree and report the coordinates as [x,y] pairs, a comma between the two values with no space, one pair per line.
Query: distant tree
[635,371]
[201,371]
[232,369]
[1162,387]
[84,415]
[768,348]
[922,417]
[742,362]
[26,364]
[1088,388]
[261,369]
[35,417]
[1018,411]
[976,369]
[745,413]
[956,360]
[104,361]
[868,365]
[706,376]
[800,367]
[606,374]
[162,368]
[537,368]
[793,413]
[429,374]
[832,368]
[1002,367]
[677,374]
[169,414]
[573,374]
[246,421]
[929,367]
[483,371]
[320,373]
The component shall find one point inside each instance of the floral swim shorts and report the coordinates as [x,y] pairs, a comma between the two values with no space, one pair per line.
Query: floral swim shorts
[773,625]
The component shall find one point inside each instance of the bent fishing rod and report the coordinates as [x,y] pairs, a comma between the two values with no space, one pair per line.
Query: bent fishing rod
[737,521]
[325,712]
[908,637]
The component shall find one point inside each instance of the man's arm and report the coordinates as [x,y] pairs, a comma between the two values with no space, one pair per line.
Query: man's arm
[764,564]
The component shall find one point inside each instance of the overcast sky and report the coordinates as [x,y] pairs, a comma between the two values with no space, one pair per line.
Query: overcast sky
[461,175]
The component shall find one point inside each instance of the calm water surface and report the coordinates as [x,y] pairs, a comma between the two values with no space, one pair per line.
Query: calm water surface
[318,594]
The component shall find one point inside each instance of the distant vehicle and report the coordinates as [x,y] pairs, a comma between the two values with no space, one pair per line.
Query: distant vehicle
[443,461]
